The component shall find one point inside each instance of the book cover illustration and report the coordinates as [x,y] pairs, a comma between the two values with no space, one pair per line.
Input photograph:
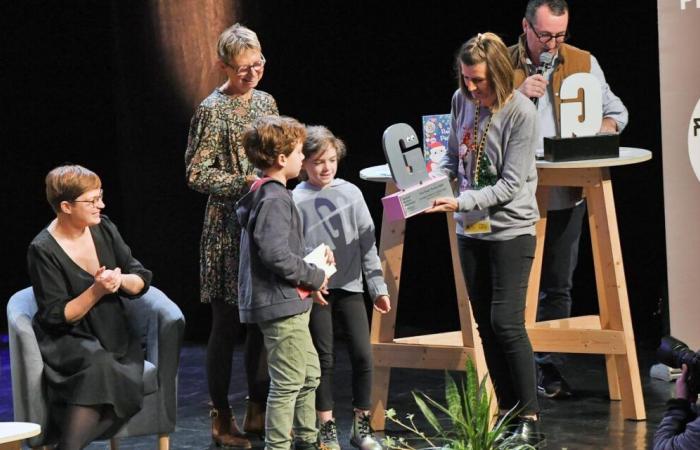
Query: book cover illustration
[436,133]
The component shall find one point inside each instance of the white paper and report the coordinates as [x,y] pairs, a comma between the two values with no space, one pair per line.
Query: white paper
[317,257]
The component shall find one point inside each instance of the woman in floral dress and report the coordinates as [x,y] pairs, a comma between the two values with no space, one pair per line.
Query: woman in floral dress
[217,166]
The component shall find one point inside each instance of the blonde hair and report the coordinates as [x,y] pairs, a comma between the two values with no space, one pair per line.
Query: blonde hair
[488,48]
[66,183]
[235,40]
[270,136]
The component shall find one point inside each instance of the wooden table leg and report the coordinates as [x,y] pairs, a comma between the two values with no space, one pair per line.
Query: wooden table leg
[16,445]
[533,284]
[384,325]
[380,394]
[623,370]
[610,363]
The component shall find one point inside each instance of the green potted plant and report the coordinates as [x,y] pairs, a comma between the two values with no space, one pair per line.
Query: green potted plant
[468,411]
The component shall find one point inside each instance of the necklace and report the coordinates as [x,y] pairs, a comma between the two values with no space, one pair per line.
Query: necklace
[479,144]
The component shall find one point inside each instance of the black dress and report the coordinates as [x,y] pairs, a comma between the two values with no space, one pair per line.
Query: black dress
[96,360]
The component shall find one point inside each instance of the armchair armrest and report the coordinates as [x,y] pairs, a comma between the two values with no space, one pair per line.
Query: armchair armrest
[161,324]
[27,368]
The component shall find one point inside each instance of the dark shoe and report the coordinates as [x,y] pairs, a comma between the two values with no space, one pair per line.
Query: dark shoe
[235,430]
[527,432]
[222,430]
[254,421]
[551,384]
[506,431]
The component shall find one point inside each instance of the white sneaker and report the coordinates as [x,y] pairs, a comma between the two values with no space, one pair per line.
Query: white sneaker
[361,434]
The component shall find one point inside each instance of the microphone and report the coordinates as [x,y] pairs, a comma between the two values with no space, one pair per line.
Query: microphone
[545,63]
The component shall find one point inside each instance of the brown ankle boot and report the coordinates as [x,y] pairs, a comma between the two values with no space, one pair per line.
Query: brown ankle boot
[254,421]
[235,430]
[222,430]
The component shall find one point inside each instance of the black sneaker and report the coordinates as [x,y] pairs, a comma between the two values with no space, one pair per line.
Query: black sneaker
[551,384]
[506,430]
[528,433]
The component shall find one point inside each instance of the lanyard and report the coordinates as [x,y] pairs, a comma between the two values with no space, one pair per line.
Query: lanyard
[477,145]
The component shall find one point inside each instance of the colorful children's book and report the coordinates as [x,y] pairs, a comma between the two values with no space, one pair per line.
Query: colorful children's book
[436,132]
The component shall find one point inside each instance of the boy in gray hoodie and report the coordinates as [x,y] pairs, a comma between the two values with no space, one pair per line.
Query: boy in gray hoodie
[275,282]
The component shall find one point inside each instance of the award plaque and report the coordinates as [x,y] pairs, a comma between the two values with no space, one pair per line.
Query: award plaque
[417,189]
[581,116]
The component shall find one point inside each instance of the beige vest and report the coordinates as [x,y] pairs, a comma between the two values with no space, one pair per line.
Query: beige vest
[571,60]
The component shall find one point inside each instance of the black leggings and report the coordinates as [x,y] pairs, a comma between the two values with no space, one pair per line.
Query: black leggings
[225,330]
[496,273]
[349,309]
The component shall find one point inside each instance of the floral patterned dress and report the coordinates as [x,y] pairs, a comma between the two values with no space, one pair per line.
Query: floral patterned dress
[216,165]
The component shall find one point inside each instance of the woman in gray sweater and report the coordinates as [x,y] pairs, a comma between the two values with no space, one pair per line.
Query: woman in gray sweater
[491,153]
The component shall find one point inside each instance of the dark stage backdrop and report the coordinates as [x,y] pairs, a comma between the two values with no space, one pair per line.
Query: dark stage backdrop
[112,86]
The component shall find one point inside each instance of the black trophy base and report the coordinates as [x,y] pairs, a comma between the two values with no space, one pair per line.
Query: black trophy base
[603,145]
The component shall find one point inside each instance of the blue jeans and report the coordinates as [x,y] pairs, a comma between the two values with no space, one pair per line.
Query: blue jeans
[294,375]
[558,264]
[497,273]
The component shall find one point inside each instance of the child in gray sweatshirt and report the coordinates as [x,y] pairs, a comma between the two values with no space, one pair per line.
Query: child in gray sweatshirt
[334,212]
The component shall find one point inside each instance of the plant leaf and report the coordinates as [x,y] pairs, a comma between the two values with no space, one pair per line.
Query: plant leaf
[427,412]
[472,389]
[454,400]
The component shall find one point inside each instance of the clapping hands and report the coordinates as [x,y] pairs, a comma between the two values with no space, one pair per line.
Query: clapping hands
[108,281]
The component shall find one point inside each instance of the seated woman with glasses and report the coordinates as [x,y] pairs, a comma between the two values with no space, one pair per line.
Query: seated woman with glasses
[80,269]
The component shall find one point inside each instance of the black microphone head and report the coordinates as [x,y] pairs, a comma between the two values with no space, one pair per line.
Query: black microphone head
[546,60]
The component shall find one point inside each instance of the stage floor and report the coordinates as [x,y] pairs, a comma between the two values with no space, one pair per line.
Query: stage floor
[588,421]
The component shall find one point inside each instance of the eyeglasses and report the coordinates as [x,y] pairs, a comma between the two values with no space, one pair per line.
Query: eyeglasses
[546,37]
[258,66]
[93,201]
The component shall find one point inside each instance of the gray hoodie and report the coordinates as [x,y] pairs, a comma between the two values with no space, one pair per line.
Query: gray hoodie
[338,216]
[271,265]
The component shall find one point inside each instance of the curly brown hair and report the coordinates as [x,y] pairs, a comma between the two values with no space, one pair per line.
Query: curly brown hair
[270,136]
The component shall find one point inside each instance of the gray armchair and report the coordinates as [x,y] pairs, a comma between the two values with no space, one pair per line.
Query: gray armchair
[153,316]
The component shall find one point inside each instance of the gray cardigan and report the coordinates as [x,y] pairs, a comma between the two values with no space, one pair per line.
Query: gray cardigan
[338,216]
[510,146]
[271,264]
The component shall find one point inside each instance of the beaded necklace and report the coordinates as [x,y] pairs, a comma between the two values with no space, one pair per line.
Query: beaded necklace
[481,143]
